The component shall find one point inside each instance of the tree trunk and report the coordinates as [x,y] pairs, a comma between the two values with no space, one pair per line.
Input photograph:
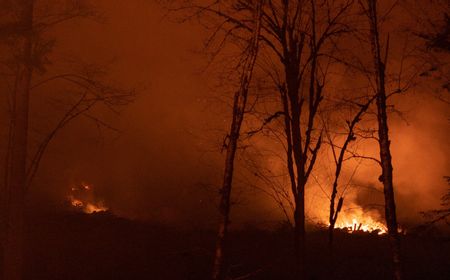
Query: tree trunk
[333,217]
[239,105]
[384,142]
[13,247]
[299,235]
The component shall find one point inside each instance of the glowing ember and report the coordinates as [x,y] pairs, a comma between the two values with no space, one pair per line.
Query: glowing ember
[82,198]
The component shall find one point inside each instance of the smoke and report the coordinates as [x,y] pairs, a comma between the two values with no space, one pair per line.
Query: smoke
[165,163]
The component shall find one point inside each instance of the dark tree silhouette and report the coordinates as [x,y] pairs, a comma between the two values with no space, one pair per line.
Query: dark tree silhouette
[239,108]
[386,177]
[296,37]
[440,38]
[339,161]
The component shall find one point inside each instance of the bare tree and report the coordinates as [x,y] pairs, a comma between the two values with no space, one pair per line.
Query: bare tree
[239,107]
[339,160]
[303,30]
[386,177]
[90,91]
[295,37]
[433,21]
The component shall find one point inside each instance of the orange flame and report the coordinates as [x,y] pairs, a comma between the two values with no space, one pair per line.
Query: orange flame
[87,207]
[356,220]
[365,225]
[82,199]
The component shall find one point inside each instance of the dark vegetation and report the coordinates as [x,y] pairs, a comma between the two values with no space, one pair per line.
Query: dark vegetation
[72,245]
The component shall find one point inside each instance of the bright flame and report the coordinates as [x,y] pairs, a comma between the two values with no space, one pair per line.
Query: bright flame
[92,208]
[82,198]
[87,207]
[358,221]
[365,224]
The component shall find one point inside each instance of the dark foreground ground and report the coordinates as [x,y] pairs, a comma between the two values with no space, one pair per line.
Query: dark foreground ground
[102,246]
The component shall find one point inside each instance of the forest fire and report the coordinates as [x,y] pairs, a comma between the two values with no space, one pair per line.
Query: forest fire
[361,224]
[238,139]
[356,220]
[82,198]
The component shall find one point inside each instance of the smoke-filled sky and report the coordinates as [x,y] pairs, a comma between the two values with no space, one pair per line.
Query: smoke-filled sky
[156,166]
[165,164]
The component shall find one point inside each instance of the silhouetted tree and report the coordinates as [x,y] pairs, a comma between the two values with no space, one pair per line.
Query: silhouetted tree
[13,247]
[339,161]
[296,36]
[386,177]
[433,27]
[239,108]
[439,38]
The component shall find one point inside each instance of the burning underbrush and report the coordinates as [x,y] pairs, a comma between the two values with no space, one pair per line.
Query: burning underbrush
[356,220]
[82,198]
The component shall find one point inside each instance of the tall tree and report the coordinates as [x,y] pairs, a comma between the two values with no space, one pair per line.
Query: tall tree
[239,107]
[296,37]
[386,177]
[13,247]
[303,29]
